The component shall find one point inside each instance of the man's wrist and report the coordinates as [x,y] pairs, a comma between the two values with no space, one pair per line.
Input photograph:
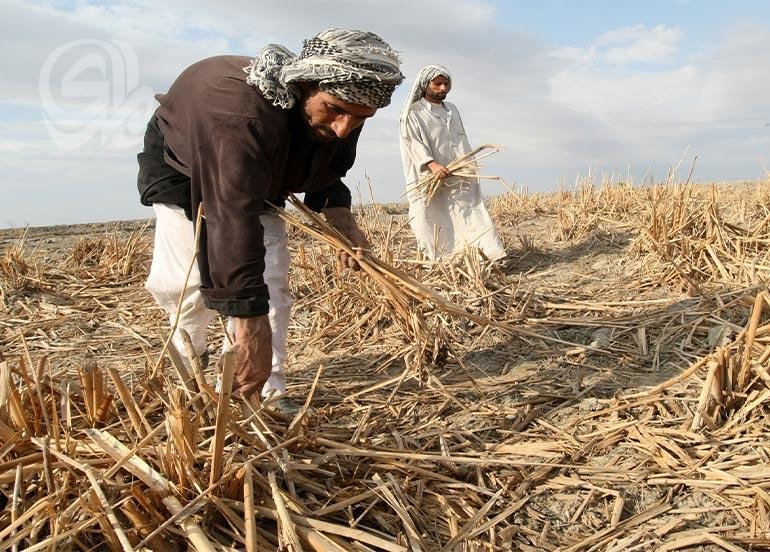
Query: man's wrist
[340,217]
[246,327]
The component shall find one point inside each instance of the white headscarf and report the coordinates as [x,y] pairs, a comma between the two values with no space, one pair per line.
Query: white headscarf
[358,67]
[426,74]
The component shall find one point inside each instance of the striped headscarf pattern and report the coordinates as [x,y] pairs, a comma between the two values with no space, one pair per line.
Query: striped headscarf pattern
[358,67]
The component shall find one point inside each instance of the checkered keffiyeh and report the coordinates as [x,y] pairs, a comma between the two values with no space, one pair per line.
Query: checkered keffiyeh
[355,66]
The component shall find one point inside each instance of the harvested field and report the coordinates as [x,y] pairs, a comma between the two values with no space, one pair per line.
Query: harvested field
[607,389]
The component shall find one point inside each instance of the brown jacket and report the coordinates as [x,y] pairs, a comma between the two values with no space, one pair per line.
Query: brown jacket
[238,150]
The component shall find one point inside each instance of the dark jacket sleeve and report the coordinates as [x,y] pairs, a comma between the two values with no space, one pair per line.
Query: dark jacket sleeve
[336,193]
[157,181]
[231,177]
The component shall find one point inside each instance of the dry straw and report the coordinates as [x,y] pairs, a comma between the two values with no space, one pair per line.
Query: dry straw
[465,166]
[586,403]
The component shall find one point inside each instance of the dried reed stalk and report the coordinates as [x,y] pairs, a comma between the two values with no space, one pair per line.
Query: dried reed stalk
[465,166]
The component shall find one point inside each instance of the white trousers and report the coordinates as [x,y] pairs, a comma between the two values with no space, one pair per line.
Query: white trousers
[454,218]
[172,255]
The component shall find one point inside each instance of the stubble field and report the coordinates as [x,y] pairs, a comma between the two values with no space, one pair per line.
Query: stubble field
[607,390]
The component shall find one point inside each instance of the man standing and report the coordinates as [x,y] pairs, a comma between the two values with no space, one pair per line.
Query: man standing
[432,136]
[230,135]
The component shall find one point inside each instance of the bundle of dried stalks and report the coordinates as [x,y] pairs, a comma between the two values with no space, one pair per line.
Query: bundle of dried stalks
[407,299]
[466,166]
[112,252]
[417,307]
[17,273]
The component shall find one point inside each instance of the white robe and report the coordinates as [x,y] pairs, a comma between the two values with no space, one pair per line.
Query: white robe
[456,215]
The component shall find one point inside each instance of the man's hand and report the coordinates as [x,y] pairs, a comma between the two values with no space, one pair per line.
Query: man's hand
[253,354]
[439,170]
[342,219]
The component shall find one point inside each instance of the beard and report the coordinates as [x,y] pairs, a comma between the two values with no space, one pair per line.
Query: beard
[435,96]
[320,133]
[317,132]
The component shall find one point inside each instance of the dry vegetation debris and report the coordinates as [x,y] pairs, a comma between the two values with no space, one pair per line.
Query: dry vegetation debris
[604,388]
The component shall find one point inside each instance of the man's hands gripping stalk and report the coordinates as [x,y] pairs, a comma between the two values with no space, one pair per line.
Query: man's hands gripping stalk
[342,219]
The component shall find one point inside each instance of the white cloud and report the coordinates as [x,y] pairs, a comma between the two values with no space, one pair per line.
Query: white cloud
[559,113]
[736,85]
[725,89]
[628,45]
[712,103]
[630,99]
[43,185]
[639,44]
[161,55]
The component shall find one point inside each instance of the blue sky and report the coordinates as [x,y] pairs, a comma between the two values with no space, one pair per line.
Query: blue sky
[579,21]
[615,89]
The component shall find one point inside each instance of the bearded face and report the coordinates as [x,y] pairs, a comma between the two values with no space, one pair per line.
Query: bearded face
[329,118]
[437,89]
